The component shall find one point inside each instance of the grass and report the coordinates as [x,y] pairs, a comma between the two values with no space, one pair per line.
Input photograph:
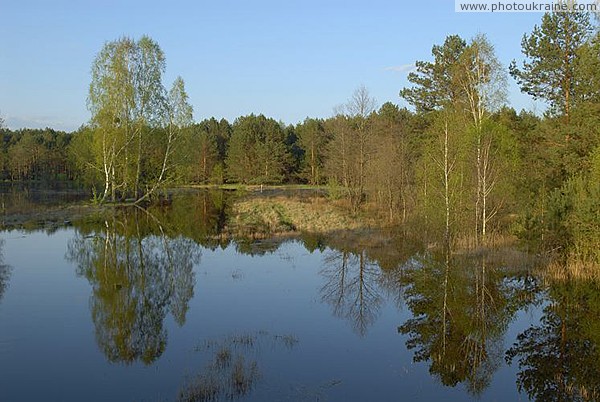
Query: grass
[278,214]
[232,372]
[226,378]
[257,187]
[559,270]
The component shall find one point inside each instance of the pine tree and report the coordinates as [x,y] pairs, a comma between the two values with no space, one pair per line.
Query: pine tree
[550,71]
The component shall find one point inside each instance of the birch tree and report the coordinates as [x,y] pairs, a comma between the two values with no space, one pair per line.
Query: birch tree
[483,82]
[129,105]
[179,115]
[437,92]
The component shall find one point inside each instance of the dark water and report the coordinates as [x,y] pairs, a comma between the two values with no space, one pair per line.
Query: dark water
[18,198]
[158,305]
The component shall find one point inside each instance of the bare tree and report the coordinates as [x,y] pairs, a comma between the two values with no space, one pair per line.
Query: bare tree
[361,104]
[351,146]
[352,288]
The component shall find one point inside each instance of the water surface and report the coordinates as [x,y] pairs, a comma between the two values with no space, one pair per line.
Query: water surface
[158,305]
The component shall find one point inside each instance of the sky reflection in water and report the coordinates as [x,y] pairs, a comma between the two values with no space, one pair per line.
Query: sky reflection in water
[136,307]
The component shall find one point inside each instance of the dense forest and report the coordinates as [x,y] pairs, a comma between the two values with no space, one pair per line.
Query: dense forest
[460,164]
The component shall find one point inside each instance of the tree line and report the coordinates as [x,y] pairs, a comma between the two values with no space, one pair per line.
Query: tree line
[33,154]
[460,163]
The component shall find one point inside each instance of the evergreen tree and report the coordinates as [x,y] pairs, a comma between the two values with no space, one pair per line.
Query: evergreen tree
[551,70]
[434,83]
[312,139]
[257,152]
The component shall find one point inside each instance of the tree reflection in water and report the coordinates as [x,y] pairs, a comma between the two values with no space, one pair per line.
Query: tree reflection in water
[140,266]
[138,274]
[461,307]
[352,288]
[4,271]
[559,359]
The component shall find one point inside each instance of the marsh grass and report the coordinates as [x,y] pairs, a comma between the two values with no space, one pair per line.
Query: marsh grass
[227,377]
[492,240]
[232,371]
[571,268]
[289,341]
[278,214]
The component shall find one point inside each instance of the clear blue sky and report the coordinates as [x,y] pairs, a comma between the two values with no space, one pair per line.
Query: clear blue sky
[285,59]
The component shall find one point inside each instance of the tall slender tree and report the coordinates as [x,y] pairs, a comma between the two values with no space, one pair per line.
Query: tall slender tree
[179,115]
[351,146]
[312,138]
[483,82]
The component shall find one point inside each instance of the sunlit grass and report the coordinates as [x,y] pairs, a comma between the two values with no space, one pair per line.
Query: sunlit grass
[559,270]
[280,215]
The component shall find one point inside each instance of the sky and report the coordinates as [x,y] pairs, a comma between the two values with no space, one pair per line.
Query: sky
[285,59]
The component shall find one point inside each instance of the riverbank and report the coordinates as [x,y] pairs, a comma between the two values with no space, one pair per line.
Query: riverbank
[49,217]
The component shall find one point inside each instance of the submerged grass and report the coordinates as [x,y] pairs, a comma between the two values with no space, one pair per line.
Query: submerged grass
[560,270]
[232,372]
[226,377]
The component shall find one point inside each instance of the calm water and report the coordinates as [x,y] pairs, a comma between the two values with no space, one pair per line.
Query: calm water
[157,306]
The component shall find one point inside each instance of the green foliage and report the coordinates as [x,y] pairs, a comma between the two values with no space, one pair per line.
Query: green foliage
[461,163]
[136,122]
[559,159]
[588,65]
[217,175]
[570,222]
[552,71]
[81,155]
[312,139]
[435,82]
[334,190]
[201,152]
[257,153]
[35,155]
[583,220]
[444,163]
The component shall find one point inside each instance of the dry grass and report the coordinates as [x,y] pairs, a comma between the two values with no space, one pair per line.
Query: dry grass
[279,214]
[572,269]
[492,240]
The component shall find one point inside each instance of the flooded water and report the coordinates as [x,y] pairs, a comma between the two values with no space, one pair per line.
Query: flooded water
[158,305]
[24,198]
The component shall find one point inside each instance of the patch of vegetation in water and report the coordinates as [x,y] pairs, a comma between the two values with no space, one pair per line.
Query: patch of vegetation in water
[232,371]
[263,216]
